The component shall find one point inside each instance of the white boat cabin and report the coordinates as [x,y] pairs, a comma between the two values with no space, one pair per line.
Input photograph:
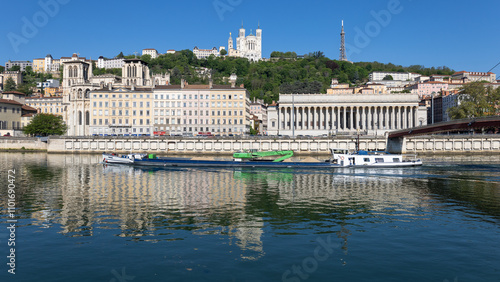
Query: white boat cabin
[344,158]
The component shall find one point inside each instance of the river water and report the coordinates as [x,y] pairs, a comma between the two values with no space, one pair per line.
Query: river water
[77,220]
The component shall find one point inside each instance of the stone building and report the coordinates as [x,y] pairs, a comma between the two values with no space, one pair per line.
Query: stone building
[14,114]
[320,114]
[249,47]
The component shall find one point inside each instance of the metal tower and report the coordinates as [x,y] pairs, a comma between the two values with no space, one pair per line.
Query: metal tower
[342,44]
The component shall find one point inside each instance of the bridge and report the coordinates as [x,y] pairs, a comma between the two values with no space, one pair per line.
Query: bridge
[396,139]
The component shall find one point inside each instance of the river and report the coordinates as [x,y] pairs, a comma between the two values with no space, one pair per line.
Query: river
[77,220]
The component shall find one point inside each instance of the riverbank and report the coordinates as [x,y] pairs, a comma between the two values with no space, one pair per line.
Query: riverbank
[435,144]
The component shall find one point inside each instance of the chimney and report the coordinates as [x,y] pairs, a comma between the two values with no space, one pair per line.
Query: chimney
[110,86]
[133,87]
[210,84]
[182,83]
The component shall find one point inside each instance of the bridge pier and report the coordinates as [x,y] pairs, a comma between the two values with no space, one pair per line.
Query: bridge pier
[396,145]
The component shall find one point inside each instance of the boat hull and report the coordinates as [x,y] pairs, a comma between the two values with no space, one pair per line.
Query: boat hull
[138,160]
[214,163]
[115,159]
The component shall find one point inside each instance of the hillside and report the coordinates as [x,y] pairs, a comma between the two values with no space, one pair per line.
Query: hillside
[266,79]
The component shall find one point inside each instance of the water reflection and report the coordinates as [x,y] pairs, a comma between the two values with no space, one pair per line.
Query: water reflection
[80,196]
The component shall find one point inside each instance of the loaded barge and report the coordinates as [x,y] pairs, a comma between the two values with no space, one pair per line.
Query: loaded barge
[340,158]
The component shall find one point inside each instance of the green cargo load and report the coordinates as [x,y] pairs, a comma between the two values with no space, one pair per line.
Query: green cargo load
[152,156]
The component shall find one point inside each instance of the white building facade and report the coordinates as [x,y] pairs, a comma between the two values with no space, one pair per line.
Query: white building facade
[319,114]
[150,51]
[22,64]
[401,76]
[48,83]
[249,47]
[205,53]
[114,63]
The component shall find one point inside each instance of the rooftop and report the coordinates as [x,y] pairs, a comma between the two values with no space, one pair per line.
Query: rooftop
[14,92]
[28,108]
[8,101]
[199,86]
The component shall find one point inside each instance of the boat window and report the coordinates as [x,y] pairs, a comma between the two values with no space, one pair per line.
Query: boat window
[396,160]
[379,160]
[366,160]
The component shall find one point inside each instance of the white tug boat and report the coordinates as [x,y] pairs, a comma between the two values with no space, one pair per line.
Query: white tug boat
[121,159]
[344,158]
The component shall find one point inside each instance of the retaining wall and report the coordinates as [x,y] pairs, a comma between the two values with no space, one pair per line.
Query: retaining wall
[422,144]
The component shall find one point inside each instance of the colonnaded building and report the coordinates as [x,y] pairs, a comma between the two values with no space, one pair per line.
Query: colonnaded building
[331,114]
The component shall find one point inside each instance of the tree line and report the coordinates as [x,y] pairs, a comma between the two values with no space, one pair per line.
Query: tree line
[285,72]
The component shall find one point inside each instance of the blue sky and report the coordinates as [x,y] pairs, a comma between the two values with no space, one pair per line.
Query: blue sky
[462,35]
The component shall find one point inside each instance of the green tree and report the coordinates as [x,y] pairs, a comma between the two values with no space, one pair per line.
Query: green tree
[9,85]
[253,131]
[223,52]
[25,88]
[388,77]
[45,125]
[29,70]
[476,100]
[15,68]
[119,56]
[2,68]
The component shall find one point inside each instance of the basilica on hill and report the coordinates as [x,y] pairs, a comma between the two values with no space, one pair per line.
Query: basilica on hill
[247,46]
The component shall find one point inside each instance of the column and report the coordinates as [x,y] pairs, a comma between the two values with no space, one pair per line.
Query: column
[392,114]
[282,118]
[287,118]
[334,118]
[362,118]
[370,119]
[327,118]
[309,118]
[412,110]
[356,122]
[301,119]
[311,124]
[405,118]
[344,123]
[320,118]
[379,125]
[401,117]
[386,117]
[316,118]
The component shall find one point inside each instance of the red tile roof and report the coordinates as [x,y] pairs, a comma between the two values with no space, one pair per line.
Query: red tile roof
[8,101]
[28,108]
[14,92]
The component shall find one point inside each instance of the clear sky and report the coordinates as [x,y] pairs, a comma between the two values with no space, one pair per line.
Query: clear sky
[463,35]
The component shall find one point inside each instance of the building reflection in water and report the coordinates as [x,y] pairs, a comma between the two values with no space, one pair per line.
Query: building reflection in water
[149,204]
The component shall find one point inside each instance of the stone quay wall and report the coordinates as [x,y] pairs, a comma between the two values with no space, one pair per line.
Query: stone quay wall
[209,145]
[436,144]
[452,144]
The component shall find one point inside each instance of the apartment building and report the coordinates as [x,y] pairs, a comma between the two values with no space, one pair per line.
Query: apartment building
[121,111]
[46,105]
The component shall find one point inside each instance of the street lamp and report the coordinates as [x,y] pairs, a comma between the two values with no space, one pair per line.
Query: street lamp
[293,117]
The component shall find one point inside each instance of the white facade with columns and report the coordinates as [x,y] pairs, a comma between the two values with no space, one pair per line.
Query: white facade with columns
[318,114]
